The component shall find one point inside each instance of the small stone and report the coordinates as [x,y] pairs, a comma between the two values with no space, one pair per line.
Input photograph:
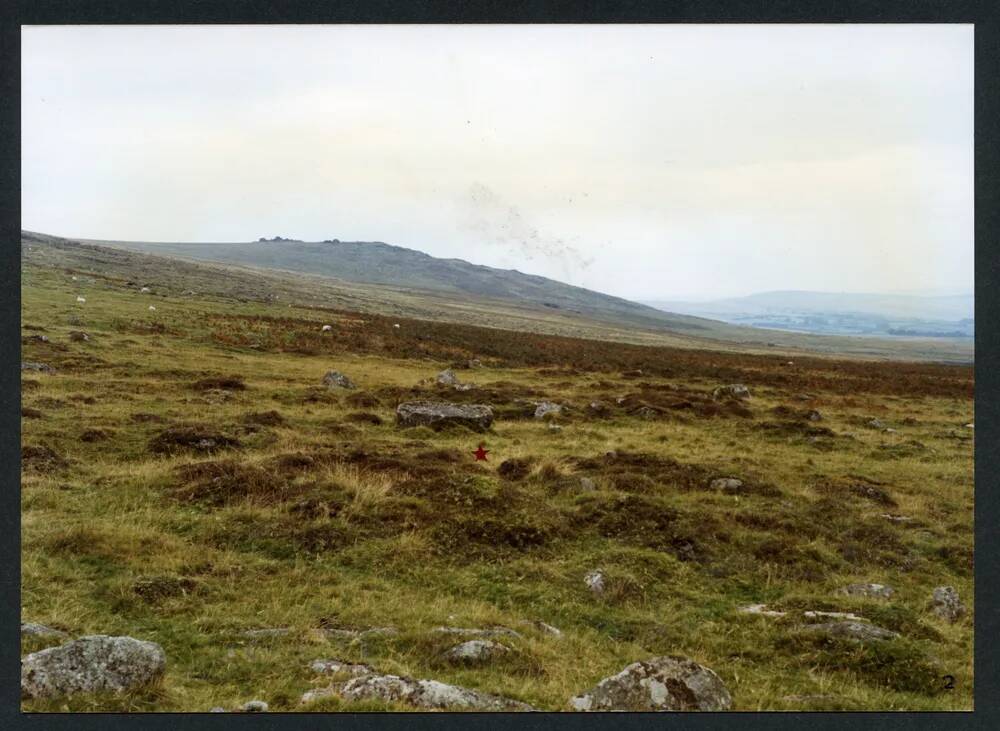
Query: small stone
[326,328]
[814,415]
[265,633]
[970,425]
[728,485]
[33,629]
[818,614]
[874,591]
[671,683]
[851,630]
[335,667]
[760,609]
[735,391]
[27,365]
[547,408]
[336,379]
[476,651]
[447,377]
[875,424]
[419,693]
[587,484]
[254,706]
[473,632]
[946,604]
[595,582]
[218,709]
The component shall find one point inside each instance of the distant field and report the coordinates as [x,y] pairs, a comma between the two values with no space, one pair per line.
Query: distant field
[308,511]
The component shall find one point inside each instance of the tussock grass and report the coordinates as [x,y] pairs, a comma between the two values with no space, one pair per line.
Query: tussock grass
[317,519]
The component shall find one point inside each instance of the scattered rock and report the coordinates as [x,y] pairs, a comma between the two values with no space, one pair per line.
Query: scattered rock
[447,377]
[336,667]
[218,709]
[435,414]
[733,391]
[254,706]
[670,683]
[850,630]
[78,336]
[420,693]
[476,651]
[474,632]
[475,363]
[35,339]
[595,582]
[336,379]
[359,634]
[970,425]
[897,518]
[547,628]
[946,604]
[875,424]
[873,591]
[760,609]
[265,633]
[326,328]
[817,614]
[587,484]
[92,664]
[145,290]
[33,629]
[27,365]
[813,415]
[547,408]
[598,408]
[729,485]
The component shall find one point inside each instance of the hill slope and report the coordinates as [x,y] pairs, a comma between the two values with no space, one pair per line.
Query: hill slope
[380,263]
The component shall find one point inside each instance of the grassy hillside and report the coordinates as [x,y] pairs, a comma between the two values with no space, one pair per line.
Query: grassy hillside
[319,516]
[110,268]
[374,262]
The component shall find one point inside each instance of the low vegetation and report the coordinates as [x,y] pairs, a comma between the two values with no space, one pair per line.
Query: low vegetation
[187,478]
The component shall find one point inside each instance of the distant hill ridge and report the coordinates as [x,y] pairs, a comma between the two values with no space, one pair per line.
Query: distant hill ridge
[376,262]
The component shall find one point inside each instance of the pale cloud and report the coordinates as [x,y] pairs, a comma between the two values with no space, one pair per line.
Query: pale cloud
[644,161]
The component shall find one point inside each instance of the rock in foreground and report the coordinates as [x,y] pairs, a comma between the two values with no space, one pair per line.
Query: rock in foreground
[669,683]
[92,664]
[946,604]
[420,693]
[440,413]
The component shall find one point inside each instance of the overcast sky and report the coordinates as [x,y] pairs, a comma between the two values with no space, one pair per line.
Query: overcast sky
[644,161]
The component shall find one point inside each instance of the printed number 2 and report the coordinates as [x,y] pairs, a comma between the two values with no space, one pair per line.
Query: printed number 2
[949,682]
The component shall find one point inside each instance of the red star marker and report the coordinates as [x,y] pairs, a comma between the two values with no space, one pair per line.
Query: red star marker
[481,453]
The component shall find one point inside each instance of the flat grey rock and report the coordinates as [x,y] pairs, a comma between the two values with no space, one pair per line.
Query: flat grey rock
[669,683]
[92,664]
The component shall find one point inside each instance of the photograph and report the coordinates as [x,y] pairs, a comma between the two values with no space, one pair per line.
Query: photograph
[442,368]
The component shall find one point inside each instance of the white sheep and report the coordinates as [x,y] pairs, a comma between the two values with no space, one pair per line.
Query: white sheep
[152,307]
[145,290]
[396,325]
[81,300]
[326,328]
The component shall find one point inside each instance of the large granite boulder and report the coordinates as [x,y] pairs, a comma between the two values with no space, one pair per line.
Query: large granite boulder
[669,683]
[440,413]
[92,664]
